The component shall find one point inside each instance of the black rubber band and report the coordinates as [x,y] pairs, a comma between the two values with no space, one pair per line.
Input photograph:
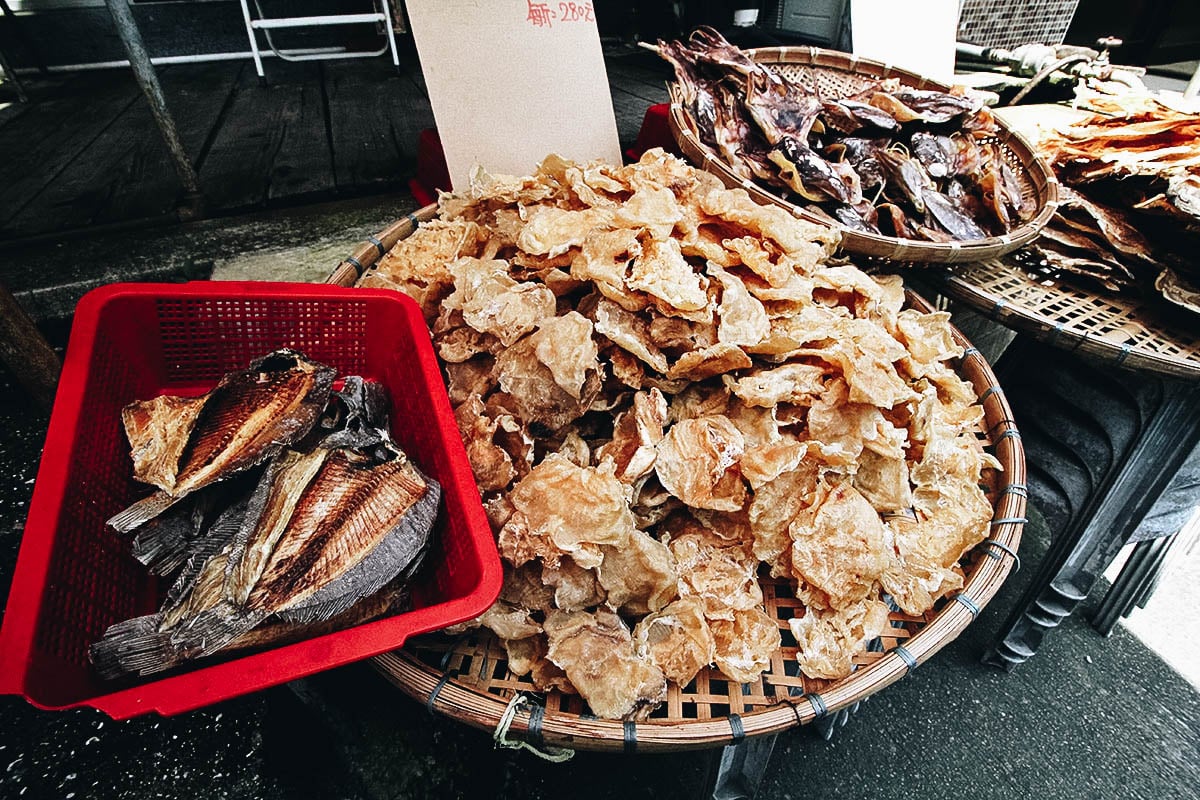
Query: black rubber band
[1009,521]
[908,658]
[1006,421]
[536,715]
[358,267]
[1019,489]
[1124,353]
[818,704]
[378,246]
[416,222]
[1000,305]
[630,737]
[735,725]
[1011,433]
[969,604]
[437,689]
[971,351]
[1058,329]
[1003,548]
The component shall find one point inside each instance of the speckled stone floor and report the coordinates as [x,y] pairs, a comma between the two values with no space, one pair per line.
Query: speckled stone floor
[1087,717]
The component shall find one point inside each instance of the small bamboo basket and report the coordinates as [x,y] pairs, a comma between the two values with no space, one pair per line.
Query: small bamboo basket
[832,74]
[467,677]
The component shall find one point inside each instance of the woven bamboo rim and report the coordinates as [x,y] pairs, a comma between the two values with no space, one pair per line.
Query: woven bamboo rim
[836,74]
[466,677]
[1122,331]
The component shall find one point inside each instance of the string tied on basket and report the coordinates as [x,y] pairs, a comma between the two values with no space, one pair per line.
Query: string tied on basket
[550,753]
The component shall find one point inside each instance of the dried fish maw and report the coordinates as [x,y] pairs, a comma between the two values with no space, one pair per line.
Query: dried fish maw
[565,345]
[742,320]
[867,356]
[915,580]
[523,588]
[839,546]
[807,242]
[827,641]
[753,252]
[849,427]
[551,231]
[629,332]
[552,498]
[639,576]
[718,359]
[470,378]
[492,465]
[636,434]
[416,265]
[745,644]
[767,387]
[522,654]
[519,546]
[698,400]
[928,337]
[535,388]
[774,505]
[509,622]
[764,463]
[955,517]
[492,302]
[678,639]
[883,480]
[721,576]
[650,207]
[246,419]
[596,651]
[663,273]
[574,587]
[697,462]
[604,259]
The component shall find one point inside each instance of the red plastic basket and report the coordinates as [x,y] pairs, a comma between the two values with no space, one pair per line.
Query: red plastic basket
[74,577]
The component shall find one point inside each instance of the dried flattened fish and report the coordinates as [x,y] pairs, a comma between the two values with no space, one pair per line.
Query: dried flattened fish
[184,444]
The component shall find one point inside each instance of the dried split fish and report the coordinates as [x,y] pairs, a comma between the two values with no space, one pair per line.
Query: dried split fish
[182,444]
[888,159]
[327,536]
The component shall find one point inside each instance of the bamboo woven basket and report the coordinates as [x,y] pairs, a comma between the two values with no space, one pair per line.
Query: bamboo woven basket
[833,75]
[467,677]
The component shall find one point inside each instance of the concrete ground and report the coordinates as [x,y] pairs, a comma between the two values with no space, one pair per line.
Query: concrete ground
[1087,717]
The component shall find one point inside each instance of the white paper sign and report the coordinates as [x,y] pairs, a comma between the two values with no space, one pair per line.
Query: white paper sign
[512,81]
[916,35]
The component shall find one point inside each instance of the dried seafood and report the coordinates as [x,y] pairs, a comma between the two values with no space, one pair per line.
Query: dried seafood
[670,393]
[1130,216]
[888,159]
[324,536]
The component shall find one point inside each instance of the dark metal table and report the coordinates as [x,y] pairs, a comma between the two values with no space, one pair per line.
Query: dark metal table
[1131,374]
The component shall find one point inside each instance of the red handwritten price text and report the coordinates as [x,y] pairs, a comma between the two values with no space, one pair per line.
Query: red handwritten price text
[542,15]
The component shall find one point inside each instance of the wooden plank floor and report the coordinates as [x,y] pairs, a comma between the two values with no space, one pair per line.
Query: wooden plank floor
[87,153]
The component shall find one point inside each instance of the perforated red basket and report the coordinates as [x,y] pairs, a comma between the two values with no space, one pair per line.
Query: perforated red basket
[74,577]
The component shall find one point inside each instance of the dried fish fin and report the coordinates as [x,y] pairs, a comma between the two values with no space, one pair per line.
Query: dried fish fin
[161,544]
[135,646]
[142,512]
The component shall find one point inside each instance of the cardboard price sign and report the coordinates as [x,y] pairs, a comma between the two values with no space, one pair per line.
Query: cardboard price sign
[512,81]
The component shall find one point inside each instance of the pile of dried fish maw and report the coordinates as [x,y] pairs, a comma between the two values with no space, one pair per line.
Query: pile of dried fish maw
[888,159]
[283,511]
[1130,220]
[667,391]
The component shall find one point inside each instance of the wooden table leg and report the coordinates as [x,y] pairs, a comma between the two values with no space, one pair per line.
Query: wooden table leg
[1081,554]
[33,363]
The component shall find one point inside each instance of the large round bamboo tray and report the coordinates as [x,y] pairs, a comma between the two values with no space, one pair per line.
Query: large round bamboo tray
[467,678]
[1122,331]
[833,75]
